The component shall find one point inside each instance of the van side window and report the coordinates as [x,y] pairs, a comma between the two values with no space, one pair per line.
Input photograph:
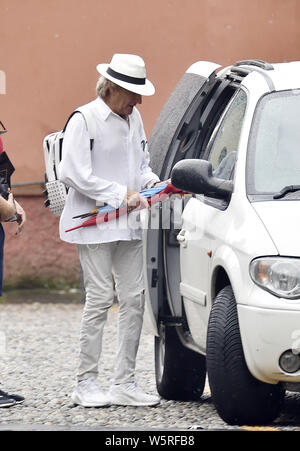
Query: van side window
[224,143]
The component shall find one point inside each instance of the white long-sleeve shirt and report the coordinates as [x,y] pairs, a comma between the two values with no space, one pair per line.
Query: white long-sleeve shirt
[119,160]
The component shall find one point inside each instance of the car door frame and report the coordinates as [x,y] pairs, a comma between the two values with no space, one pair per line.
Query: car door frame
[211,101]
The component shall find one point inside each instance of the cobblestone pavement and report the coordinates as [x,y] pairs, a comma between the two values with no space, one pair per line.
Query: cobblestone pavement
[38,359]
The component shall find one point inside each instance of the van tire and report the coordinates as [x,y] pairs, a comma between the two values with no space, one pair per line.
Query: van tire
[180,372]
[239,398]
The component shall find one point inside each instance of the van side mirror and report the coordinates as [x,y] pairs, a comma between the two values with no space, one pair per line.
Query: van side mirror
[196,176]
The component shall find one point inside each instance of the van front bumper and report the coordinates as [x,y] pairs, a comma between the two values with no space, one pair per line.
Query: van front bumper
[266,334]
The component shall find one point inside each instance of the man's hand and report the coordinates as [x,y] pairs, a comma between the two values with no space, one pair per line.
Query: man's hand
[135,200]
[22,216]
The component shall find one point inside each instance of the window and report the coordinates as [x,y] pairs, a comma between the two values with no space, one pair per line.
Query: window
[273,153]
[224,143]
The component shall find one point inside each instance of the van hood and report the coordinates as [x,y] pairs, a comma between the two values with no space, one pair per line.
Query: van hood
[282,221]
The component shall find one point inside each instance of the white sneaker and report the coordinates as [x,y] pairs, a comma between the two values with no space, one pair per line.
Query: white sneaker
[131,395]
[89,394]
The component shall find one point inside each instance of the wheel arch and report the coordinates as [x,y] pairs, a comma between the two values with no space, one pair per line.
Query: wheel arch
[229,266]
[219,280]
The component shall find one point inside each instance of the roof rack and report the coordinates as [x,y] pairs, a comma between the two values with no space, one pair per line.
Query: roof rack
[237,74]
[258,63]
[240,71]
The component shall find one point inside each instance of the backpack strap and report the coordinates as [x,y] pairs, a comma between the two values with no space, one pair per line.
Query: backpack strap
[89,120]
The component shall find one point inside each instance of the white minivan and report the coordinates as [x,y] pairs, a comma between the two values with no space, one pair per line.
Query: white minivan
[222,262]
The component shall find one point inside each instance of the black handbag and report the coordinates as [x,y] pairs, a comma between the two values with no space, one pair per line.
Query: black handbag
[6,170]
[4,188]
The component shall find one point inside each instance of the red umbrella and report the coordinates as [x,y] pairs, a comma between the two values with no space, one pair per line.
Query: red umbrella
[99,219]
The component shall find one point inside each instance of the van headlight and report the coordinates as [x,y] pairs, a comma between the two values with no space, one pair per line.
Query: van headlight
[280,276]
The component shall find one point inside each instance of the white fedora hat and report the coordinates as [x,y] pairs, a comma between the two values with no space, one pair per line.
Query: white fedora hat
[129,72]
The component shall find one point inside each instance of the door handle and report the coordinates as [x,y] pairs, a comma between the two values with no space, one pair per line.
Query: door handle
[181,238]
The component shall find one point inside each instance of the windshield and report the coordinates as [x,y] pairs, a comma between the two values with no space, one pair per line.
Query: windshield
[274,147]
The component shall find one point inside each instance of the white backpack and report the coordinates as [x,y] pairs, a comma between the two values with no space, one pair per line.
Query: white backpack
[56,191]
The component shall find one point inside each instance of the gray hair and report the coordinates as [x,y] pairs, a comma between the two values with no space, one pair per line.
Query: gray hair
[103,86]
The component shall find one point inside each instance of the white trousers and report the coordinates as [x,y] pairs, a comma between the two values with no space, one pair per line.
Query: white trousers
[103,264]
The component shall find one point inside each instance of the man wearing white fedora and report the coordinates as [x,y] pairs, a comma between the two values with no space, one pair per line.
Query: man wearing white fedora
[113,172]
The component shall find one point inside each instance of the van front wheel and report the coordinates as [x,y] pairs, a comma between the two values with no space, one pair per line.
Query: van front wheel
[238,397]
